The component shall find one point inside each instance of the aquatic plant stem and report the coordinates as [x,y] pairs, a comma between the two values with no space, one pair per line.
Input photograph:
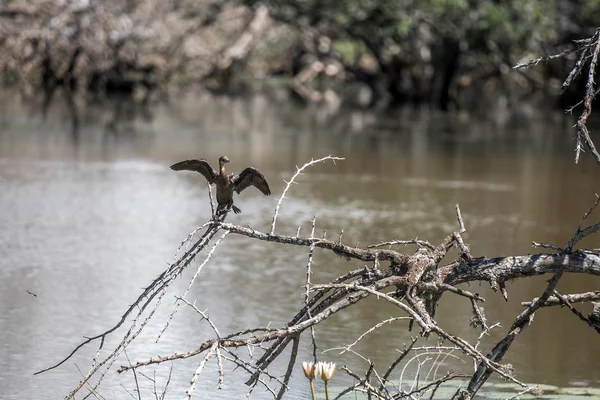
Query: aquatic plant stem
[326,391]
[312,389]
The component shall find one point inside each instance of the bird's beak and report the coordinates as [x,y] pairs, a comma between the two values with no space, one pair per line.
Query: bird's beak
[227,161]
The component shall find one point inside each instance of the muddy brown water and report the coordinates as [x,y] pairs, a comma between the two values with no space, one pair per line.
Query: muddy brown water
[90,213]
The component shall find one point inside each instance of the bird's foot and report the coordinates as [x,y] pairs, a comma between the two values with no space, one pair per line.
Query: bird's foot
[220,212]
[236,210]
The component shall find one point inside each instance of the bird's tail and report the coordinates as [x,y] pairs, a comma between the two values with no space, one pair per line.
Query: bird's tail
[236,210]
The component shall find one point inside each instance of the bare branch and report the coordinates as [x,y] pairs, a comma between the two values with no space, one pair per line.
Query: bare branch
[336,247]
[579,233]
[535,390]
[589,49]
[307,287]
[212,203]
[420,243]
[579,315]
[546,246]
[291,181]
[461,224]
[203,314]
[427,325]
[416,317]
[478,316]
[546,58]
[582,130]
[504,269]
[198,371]
[198,270]
[571,298]
[521,323]
[400,357]
[370,330]
[290,368]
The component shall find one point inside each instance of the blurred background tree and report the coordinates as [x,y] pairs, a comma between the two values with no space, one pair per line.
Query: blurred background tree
[368,52]
[432,50]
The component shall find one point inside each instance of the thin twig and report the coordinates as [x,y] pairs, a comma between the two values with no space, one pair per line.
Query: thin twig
[291,181]
[198,371]
[187,290]
[571,298]
[546,58]
[532,389]
[307,288]
[135,378]
[395,363]
[212,203]
[587,103]
[579,315]
[290,368]
[420,243]
[370,330]
[579,233]
[546,246]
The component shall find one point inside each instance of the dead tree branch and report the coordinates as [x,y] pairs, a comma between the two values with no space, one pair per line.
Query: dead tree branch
[571,298]
[413,282]
[589,50]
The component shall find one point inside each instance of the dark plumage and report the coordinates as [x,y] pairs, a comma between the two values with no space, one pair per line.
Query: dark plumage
[226,184]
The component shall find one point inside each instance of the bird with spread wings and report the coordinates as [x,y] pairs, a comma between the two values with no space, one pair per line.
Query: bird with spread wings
[226,184]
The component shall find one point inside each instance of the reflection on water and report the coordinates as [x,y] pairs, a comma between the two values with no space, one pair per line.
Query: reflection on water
[91,213]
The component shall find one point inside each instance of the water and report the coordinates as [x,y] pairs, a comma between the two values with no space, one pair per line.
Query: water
[91,214]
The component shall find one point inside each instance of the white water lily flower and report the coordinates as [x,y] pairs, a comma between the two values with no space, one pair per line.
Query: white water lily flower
[327,370]
[309,369]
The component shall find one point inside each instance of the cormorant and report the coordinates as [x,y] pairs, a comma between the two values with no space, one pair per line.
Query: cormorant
[226,184]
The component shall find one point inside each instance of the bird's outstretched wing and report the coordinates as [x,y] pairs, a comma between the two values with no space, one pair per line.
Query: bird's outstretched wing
[200,165]
[251,177]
